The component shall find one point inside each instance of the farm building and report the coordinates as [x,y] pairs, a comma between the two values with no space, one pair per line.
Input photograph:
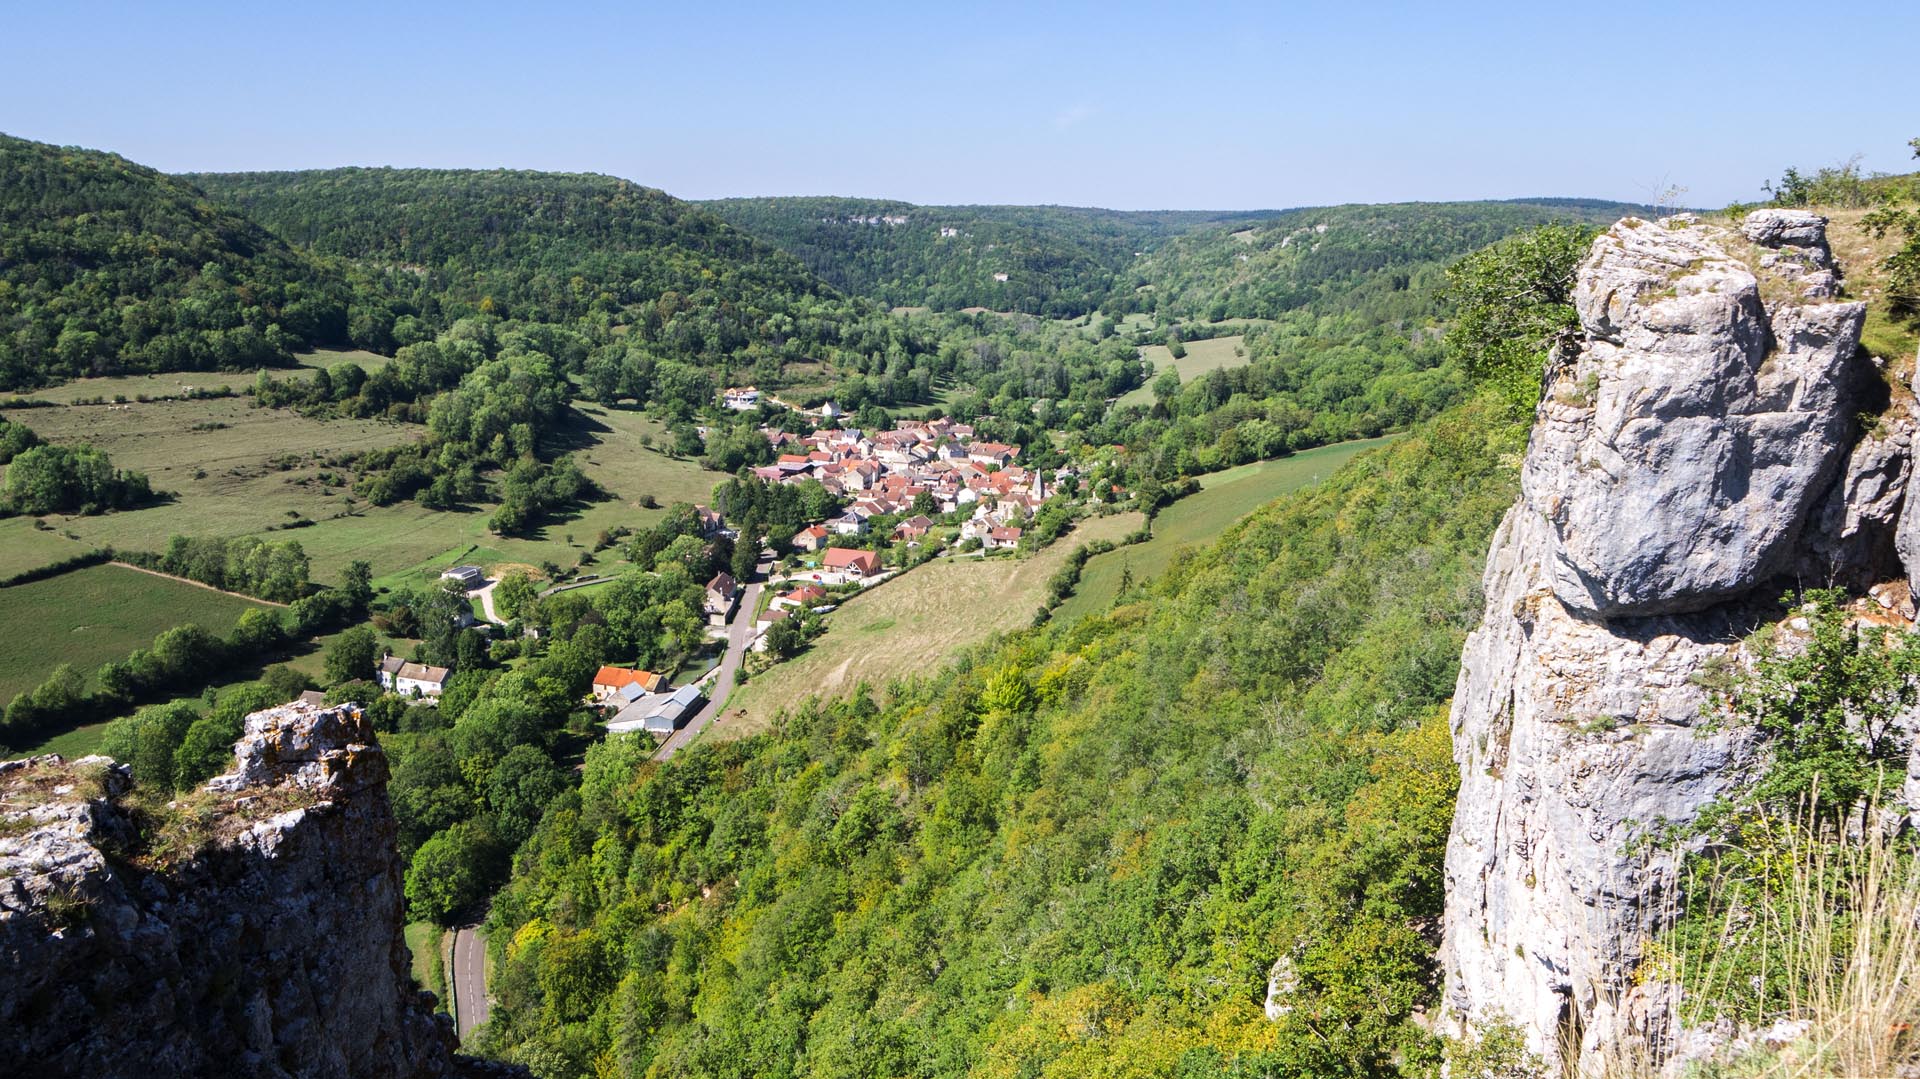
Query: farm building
[608,682]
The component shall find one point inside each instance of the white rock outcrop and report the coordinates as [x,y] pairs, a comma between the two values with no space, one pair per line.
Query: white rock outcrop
[258,933]
[1694,446]
[1676,456]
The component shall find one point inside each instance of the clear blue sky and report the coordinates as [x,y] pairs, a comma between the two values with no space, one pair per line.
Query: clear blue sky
[1128,105]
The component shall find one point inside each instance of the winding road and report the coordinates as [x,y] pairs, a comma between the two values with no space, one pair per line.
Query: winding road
[469,967]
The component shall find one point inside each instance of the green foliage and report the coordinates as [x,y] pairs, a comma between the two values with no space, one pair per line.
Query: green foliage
[252,565]
[69,479]
[448,874]
[1511,301]
[109,266]
[351,656]
[1060,261]
[1082,846]
[1903,266]
[1829,710]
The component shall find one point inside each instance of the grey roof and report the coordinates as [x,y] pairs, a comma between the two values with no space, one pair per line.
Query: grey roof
[392,664]
[630,692]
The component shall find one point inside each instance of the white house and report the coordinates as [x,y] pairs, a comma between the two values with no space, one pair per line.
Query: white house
[469,577]
[418,678]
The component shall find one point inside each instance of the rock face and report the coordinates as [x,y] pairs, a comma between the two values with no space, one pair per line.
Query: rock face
[1677,455]
[252,928]
[1691,449]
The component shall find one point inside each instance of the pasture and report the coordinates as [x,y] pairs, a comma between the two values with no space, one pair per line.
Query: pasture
[239,470]
[233,468]
[24,547]
[1198,519]
[1201,357]
[97,614]
[912,625]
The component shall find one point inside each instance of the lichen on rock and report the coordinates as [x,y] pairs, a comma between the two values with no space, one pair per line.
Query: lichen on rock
[266,942]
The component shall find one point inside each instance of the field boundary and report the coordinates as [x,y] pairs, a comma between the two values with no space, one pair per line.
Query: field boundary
[194,583]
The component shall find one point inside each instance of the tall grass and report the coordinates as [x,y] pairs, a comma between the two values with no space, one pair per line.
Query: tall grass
[1812,929]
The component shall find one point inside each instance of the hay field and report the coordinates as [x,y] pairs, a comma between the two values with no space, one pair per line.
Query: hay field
[911,625]
[97,614]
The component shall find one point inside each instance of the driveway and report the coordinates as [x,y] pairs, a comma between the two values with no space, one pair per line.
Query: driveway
[739,635]
[485,594]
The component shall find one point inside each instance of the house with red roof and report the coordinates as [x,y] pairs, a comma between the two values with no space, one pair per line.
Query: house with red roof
[851,562]
[609,681]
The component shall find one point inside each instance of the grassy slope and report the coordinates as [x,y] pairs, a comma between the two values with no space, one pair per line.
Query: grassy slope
[96,614]
[24,547]
[1201,357]
[230,482]
[910,624]
[1199,519]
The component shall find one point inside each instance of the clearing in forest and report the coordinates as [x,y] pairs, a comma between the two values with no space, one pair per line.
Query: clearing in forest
[1201,357]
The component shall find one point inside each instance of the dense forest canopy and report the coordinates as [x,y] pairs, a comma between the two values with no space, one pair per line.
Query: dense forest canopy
[110,266]
[445,243]
[1058,261]
[1065,262]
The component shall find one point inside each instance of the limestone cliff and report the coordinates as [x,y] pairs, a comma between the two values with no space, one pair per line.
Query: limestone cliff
[252,928]
[1693,457]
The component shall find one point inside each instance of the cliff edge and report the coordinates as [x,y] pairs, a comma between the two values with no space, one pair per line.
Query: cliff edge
[250,928]
[1694,456]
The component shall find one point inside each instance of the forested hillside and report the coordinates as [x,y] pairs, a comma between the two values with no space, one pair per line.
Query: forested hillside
[109,266]
[443,244]
[1059,261]
[1079,852]
[1313,257]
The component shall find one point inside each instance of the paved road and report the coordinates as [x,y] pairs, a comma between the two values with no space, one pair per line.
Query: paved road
[469,980]
[739,632]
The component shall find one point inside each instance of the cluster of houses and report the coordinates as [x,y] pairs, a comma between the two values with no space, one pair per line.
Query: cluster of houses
[885,472]
[641,700]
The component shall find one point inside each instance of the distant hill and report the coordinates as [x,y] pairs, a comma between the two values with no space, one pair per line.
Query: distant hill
[539,245]
[1063,261]
[106,265]
[1059,261]
[1301,258]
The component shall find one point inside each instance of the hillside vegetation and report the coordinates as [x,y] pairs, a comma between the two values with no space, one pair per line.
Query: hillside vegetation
[108,266]
[1078,852]
[544,246]
[1059,261]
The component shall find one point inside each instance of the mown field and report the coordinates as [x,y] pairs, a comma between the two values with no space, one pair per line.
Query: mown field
[1198,519]
[1201,357]
[24,547]
[97,614]
[912,625]
[238,470]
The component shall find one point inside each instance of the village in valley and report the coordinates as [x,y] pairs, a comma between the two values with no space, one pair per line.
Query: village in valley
[919,490]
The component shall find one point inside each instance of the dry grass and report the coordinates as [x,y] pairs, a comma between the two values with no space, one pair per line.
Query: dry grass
[1840,932]
[911,625]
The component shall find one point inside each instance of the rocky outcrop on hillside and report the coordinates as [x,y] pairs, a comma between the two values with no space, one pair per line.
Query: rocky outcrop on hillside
[1693,457]
[252,928]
